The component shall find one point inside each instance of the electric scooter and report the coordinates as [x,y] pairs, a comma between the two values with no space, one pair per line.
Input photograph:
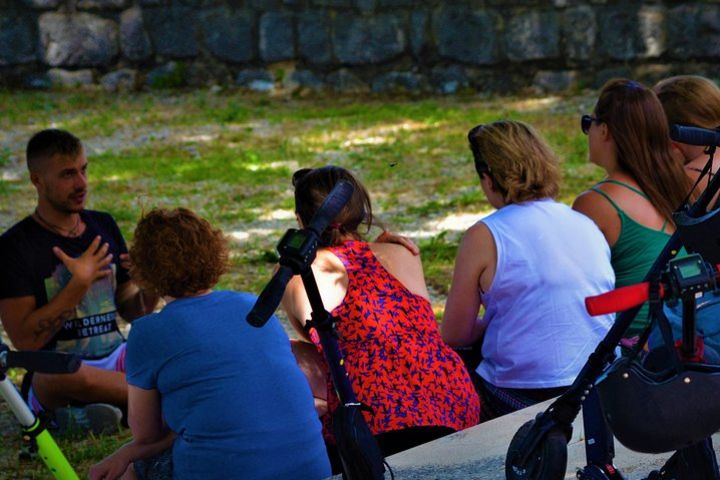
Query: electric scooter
[32,426]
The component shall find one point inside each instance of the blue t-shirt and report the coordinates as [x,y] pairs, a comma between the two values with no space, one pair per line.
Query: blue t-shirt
[233,393]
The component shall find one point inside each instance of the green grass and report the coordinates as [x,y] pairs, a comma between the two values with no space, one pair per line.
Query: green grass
[230,156]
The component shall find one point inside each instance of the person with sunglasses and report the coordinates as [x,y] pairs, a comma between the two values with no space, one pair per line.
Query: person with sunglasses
[398,365]
[628,137]
[531,264]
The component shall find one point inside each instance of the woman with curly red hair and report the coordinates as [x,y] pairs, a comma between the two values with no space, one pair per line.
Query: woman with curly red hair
[228,397]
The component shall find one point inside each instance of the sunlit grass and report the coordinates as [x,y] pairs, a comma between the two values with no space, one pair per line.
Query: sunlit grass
[229,156]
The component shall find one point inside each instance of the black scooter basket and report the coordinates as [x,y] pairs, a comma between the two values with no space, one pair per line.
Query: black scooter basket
[650,412]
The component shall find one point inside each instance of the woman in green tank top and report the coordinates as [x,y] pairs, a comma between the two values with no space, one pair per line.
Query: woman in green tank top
[628,137]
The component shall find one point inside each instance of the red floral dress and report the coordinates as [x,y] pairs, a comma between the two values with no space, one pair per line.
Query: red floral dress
[394,356]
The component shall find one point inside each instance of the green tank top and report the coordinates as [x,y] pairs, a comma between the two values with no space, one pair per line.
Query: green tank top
[635,251]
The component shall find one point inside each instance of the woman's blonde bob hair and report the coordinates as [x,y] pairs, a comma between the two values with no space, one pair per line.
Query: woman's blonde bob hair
[519,162]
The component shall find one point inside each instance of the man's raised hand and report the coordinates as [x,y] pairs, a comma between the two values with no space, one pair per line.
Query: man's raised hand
[91,265]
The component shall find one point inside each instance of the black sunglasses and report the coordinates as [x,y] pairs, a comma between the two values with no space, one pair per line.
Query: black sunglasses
[586,121]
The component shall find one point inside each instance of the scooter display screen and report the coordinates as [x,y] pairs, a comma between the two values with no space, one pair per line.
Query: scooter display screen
[691,274]
[689,270]
[296,240]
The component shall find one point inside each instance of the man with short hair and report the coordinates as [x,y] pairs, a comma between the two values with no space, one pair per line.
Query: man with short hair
[64,278]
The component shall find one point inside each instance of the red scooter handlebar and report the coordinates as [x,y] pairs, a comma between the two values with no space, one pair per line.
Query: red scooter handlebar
[620,299]
[624,298]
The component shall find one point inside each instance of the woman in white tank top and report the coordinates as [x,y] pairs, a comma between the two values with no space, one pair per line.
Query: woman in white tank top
[531,264]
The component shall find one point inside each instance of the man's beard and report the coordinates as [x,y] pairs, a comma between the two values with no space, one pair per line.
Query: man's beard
[68,206]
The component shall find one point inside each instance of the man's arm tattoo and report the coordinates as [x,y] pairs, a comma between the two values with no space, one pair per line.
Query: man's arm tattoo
[50,326]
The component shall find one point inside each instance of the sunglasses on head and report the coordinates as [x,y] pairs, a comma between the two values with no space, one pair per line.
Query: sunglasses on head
[586,122]
[480,165]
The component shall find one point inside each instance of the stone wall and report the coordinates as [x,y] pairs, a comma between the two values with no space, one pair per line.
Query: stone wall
[354,45]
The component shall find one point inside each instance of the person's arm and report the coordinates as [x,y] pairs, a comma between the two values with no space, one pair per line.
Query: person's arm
[296,305]
[150,435]
[599,210]
[133,302]
[29,327]
[475,259]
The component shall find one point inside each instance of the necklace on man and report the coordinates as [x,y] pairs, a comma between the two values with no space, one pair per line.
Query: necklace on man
[73,232]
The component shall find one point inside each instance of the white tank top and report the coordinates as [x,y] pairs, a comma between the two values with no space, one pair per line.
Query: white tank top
[549,258]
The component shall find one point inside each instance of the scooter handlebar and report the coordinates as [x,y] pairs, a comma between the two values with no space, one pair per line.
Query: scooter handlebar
[270,297]
[43,362]
[620,299]
[331,206]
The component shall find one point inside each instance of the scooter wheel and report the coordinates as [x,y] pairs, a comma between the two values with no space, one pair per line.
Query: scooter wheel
[548,461]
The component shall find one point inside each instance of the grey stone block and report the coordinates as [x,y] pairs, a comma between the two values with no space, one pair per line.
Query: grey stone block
[18,38]
[122,80]
[345,81]
[331,3]
[42,4]
[533,36]
[398,81]
[579,29]
[276,37]
[102,4]
[449,80]
[365,6]
[604,75]
[360,40]
[314,42]
[466,35]
[170,75]
[555,81]
[197,3]
[265,5]
[77,40]
[398,3]
[419,21]
[134,40]
[228,34]
[620,33]
[37,81]
[694,31]
[305,79]
[66,78]
[172,31]
[498,81]
[652,30]
[256,79]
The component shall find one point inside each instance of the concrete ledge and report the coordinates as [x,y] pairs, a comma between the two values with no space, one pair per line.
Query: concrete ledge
[479,453]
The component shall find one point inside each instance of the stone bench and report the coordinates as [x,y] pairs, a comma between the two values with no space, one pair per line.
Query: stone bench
[478,453]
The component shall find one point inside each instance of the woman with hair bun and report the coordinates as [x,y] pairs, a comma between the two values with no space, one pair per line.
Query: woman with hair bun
[628,137]
[227,397]
[395,358]
[531,264]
